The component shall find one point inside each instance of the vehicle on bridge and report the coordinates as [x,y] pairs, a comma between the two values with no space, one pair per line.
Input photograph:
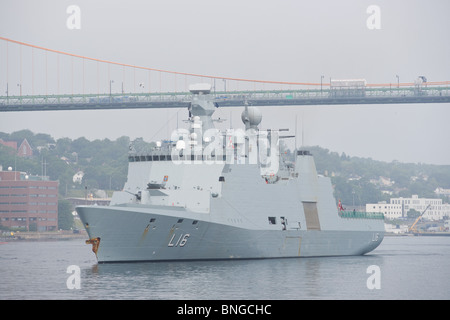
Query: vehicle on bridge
[419,84]
[348,88]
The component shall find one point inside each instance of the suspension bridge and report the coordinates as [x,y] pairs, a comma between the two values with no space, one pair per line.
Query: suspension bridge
[35,78]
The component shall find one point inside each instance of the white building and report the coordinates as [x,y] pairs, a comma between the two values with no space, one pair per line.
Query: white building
[399,207]
[442,191]
[78,177]
[390,211]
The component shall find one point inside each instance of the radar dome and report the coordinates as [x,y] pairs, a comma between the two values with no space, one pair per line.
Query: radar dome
[180,145]
[253,116]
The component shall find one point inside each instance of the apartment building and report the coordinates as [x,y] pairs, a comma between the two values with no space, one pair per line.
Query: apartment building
[399,207]
[28,202]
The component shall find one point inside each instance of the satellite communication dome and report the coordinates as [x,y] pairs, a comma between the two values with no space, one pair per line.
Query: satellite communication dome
[180,145]
[253,115]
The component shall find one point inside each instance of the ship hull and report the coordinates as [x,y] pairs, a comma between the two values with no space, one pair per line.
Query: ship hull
[161,234]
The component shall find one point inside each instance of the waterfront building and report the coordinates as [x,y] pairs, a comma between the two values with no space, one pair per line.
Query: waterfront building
[28,202]
[399,207]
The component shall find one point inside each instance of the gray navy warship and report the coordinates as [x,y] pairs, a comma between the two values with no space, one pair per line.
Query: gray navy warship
[207,194]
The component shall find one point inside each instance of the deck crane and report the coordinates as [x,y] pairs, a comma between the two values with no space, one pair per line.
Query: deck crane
[413,227]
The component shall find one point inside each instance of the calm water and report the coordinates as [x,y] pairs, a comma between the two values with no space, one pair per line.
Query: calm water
[409,268]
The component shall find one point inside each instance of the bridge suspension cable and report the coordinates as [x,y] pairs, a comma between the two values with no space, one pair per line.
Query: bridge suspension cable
[37,70]
[159,70]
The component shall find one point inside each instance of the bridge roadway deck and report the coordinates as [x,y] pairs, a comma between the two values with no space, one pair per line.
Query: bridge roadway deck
[223,99]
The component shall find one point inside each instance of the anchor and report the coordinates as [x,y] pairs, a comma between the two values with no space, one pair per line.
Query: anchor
[95,243]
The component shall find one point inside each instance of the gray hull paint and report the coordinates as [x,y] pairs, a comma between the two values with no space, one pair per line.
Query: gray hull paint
[128,235]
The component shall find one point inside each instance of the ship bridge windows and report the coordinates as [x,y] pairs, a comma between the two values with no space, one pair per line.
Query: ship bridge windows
[169,157]
[154,157]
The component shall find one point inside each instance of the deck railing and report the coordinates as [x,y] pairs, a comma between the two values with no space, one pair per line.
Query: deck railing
[361,215]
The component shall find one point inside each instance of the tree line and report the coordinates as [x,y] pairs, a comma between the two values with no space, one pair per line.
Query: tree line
[359,180]
[105,163]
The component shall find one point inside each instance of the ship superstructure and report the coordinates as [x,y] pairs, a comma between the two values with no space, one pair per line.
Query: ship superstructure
[207,194]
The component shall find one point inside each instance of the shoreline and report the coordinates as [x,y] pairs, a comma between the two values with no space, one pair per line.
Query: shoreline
[44,236]
[82,234]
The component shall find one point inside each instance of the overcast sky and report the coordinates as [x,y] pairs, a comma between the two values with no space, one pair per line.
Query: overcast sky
[282,40]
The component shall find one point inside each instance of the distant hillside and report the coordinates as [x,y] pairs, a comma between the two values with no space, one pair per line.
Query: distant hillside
[104,163]
[363,180]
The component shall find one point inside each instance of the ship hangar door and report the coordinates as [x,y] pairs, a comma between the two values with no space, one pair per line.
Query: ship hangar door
[311,215]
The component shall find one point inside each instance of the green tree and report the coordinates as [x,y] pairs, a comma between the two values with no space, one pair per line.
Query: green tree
[65,217]
[412,214]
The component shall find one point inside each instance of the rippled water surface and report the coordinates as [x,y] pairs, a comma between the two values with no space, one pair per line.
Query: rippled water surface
[408,268]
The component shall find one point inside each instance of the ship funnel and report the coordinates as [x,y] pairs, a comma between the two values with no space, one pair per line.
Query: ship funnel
[307,174]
